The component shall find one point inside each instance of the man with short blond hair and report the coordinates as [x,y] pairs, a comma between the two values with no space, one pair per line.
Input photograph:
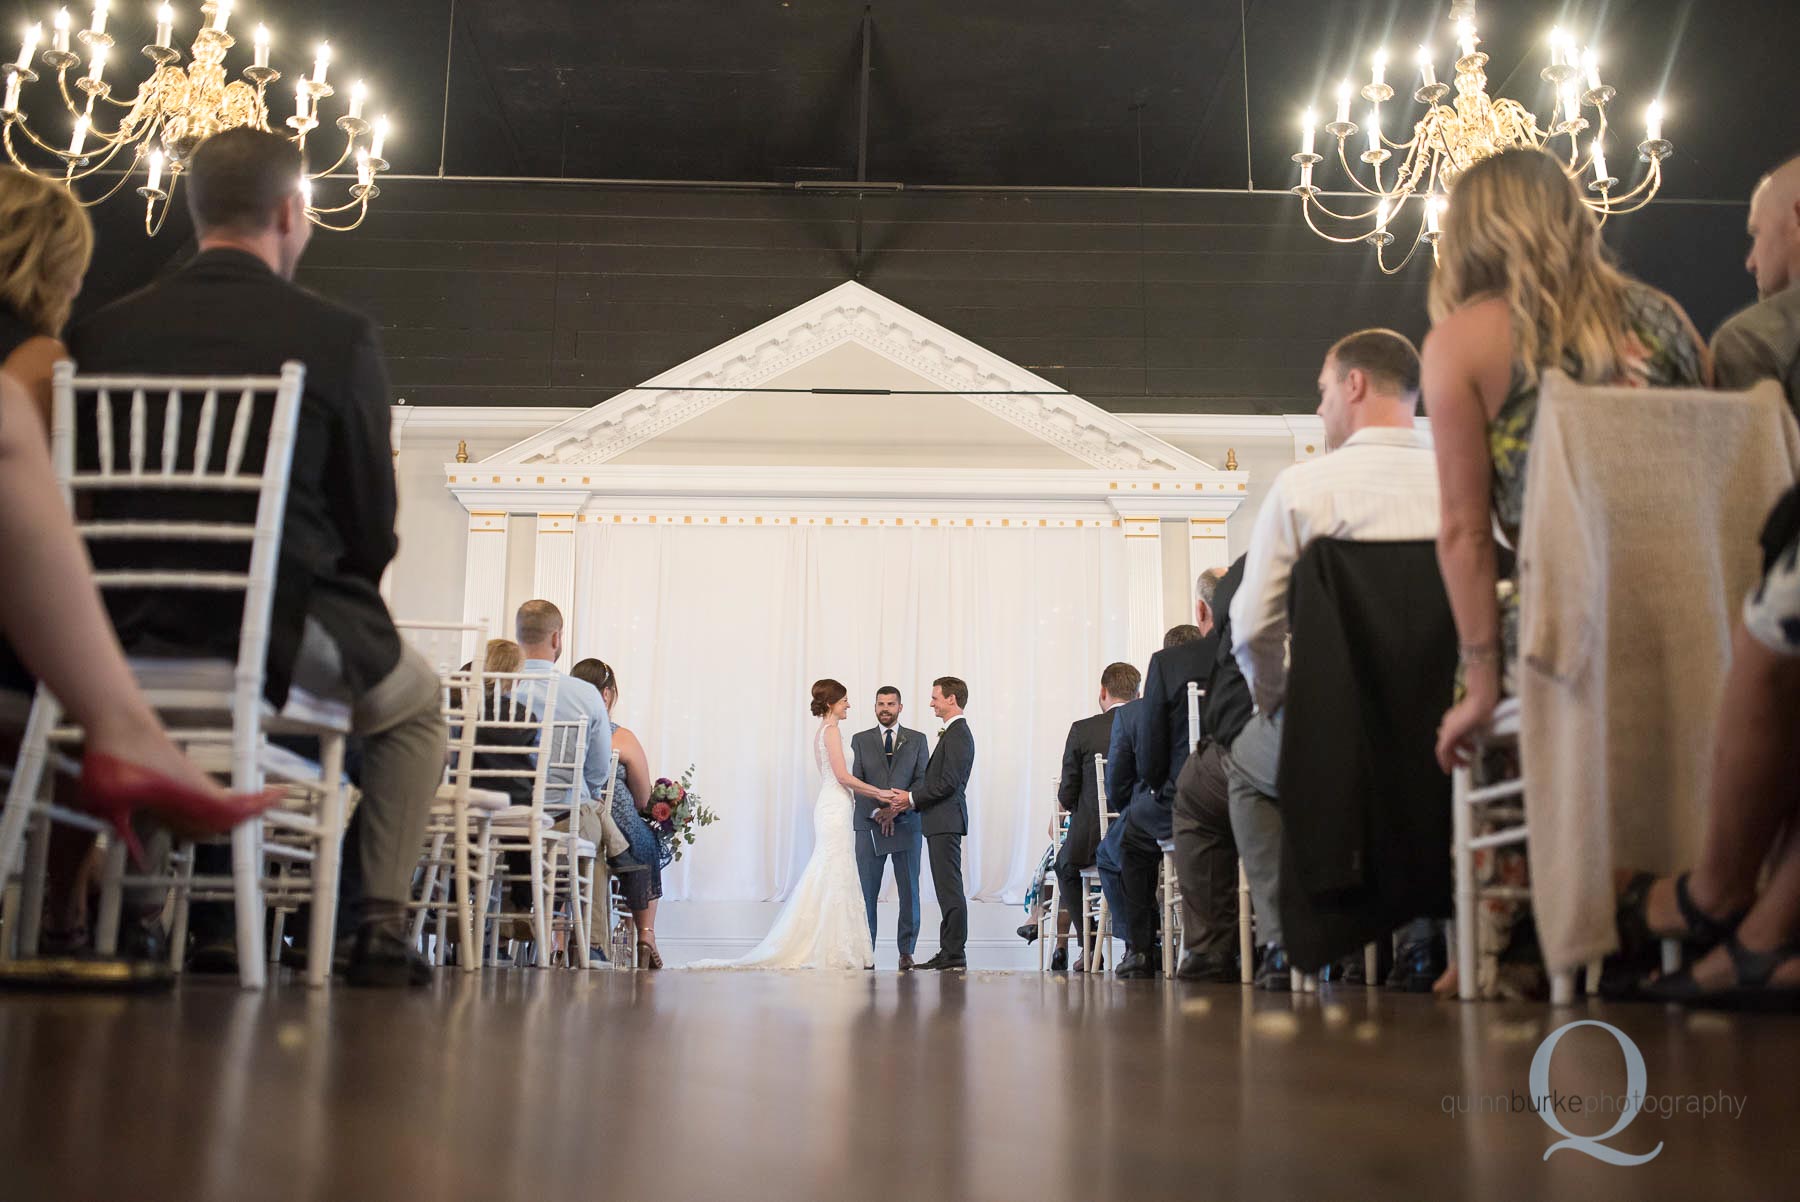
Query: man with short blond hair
[1763,341]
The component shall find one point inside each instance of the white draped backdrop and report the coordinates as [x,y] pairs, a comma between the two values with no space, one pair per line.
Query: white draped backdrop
[717,636]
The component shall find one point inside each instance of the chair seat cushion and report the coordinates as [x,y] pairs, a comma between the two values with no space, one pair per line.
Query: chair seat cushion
[479,799]
[206,684]
[520,816]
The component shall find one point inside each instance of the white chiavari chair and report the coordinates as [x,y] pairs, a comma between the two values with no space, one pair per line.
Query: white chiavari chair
[1051,901]
[1096,912]
[516,727]
[1503,804]
[199,436]
[451,876]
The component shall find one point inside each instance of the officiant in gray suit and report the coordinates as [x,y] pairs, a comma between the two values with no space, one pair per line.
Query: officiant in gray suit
[890,756]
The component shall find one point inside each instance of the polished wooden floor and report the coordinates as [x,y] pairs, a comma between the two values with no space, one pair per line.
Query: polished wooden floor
[742,1087]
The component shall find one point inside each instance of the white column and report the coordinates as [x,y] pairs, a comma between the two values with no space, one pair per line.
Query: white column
[484,575]
[1208,547]
[553,571]
[1143,586]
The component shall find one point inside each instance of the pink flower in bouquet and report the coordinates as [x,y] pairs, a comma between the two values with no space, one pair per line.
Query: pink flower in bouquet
[661,811]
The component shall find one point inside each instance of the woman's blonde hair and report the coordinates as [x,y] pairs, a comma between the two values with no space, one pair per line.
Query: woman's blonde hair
[1516,228]
[46,242]
[503,655]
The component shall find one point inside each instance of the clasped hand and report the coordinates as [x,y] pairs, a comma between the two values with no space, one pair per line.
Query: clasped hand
[898,800]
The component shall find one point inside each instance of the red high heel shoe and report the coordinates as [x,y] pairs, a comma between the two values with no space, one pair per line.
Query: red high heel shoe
[114,790]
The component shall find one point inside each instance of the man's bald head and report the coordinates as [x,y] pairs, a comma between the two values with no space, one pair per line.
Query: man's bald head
[1774,257]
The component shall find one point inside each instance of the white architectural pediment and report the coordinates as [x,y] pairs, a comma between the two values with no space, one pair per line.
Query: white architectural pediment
[846,371]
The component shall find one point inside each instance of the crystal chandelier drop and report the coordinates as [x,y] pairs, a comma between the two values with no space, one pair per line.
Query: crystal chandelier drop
[1451,137]
[175,109]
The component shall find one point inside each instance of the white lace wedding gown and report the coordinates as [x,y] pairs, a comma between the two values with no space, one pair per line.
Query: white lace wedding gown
[824,923]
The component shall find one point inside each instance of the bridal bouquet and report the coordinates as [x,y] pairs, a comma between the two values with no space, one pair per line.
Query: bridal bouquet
[674,812]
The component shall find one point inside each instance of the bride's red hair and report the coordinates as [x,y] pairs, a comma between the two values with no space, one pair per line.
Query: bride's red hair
[826,693]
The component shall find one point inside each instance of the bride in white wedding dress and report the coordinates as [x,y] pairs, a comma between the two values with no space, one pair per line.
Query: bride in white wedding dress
[824,923]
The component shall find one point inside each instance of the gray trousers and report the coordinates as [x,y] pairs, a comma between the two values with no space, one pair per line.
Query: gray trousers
[1250,768]
[1206,854]
[401,724]
[906,878]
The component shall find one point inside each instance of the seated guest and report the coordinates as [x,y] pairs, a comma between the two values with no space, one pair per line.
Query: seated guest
[502,657]
[233,310]
[1745,944]
[1523,285]
[1079,793]
[1763,342]
[46,242]
[1162,751]
[64,638]
[1124,788]
[1205,850]
[643,888]
[1378,484]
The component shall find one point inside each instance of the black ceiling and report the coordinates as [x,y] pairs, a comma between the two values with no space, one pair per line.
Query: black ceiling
[1079,93]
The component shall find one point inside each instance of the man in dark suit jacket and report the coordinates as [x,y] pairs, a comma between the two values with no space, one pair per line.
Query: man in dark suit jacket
[1078,792]
[889,756]
[943,805]
[1162,751]
[233,310]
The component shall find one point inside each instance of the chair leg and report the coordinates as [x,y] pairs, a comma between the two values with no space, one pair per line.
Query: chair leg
[182,860]
[246,884]
[278,931]
[27,780]
[37,866]
[328,853]
[1246,940]
[112,895]
[1102,937]
[540,894]
[1593,978]
[1671,956]
[1562,988]
[428,888]
[9,918]
[1371,963]
[1462,824]
[463,890]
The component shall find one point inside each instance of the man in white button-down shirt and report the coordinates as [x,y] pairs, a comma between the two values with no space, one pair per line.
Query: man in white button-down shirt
[1378,484]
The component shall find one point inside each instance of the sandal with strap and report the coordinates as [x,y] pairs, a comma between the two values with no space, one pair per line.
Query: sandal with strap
[1702,932]
[647,956]
[1750,992]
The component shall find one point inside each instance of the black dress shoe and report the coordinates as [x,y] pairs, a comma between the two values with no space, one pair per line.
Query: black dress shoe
[1137,966]
[1059,960]
[1028,932]
[942,961]
[1273,973]
[383,958]
[906,962]
[1417,965]
[214,956]
[1208,967]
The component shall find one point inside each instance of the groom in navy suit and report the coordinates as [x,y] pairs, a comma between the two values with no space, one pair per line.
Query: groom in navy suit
[890,756]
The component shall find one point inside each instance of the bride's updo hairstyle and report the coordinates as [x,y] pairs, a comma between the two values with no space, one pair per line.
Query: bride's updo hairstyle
[826,693]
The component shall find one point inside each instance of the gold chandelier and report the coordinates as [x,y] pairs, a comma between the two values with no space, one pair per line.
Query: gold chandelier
[1450,138]
[178,107]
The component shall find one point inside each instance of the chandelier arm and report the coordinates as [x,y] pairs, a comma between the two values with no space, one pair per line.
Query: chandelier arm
[1360,186]
[340,229]
[31,136]
[150,205]
[343,208]
[1363,216]
[349,145]
[1306,211]
[124,178]
[73,177]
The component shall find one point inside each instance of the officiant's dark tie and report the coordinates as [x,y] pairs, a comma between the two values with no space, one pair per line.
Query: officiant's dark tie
[888,739]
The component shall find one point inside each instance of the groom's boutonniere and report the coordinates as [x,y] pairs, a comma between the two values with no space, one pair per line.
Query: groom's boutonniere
[941,731]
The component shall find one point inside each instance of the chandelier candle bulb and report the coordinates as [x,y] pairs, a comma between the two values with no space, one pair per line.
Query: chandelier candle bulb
[13,80]
[1343,98]
[97,64]
[262,45]
[60,36]
[1434,215]
[380,138]
[1600,176]
[321,60]
[364,173]
[156,171]
[1375,127]
[1590,63]
[1653,120]
[221,14]
[33,35]
[1306,131]
[165,26]
[306,192]
[79,138]
[99,23]
[1465,36]
[1380,64]
[302,101]
[358,94]
[1425,72]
